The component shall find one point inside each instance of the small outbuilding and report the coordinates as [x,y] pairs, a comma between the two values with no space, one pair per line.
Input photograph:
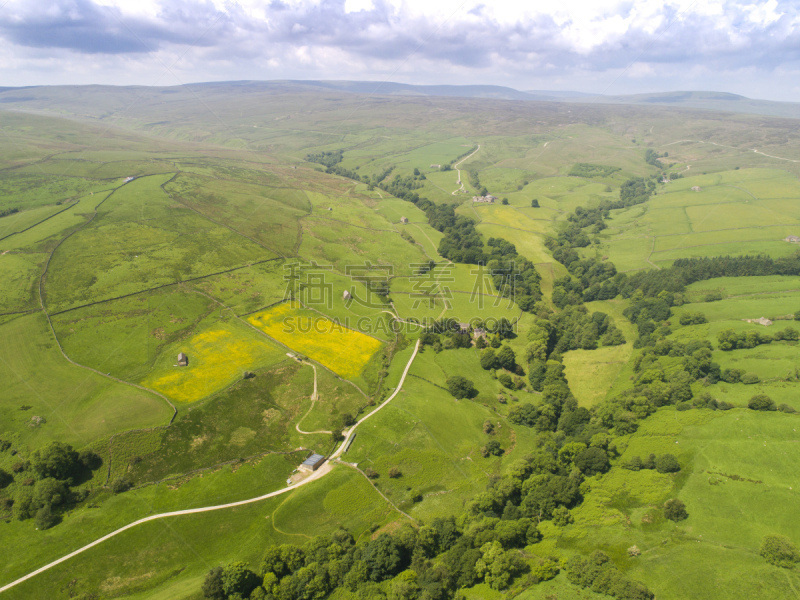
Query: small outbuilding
[346,296]
[312,463]
[695,188]
[404,220]
[183,360]
[463,327]
[792,239]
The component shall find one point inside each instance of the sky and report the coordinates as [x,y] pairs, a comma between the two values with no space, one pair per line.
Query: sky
[599,47]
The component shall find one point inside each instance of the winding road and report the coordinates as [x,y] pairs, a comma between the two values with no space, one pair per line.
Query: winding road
[321,472]
[461,183]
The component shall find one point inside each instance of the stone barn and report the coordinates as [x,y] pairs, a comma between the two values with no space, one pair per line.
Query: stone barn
[404,220]
[183,360]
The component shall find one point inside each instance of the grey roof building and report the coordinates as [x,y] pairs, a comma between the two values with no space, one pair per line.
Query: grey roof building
[312,463]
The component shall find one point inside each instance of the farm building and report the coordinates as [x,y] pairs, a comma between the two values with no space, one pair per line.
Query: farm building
[793,239]
[488,199]
[312,463]
[463,327]
[695,188]
[404,220]
[436,166]
[346,296]
[183,360]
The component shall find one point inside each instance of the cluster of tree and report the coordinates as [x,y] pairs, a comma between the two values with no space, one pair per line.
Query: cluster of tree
[44,483]
[575,328]
[475,181]
[446,334]
[695,318]
[403,186]
[431,562]
[685,271]
[666,463]
[327,159]
[651,157]
[461,387]
[8,211]
[504,358]
[675,510]
[779,550]
[590,170]
[599,574]
[730,340]
[513,276]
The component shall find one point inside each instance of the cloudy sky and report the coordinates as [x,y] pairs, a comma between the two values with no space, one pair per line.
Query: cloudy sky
[597,46]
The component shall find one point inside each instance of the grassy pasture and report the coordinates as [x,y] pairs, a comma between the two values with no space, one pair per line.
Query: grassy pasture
[79,405]
[592,373]
[126,337]
[29,191]
[19,274]
[339,244]
[220,351]
[247,289]
[46,235]
[265,214]
[252,417]
[140,240]
[346,352]
[726,217]
[727,517]
[743,286]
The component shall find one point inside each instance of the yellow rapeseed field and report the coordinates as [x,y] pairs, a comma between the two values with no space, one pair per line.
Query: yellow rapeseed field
[217,358]
[343,351]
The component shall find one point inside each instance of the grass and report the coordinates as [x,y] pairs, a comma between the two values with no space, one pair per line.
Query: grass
[592,373]
[345,351]
[79,406]
[737,212]
[141,240]
[219,354]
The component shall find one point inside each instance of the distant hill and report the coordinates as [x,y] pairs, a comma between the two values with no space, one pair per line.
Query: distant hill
[389,88]
[80,98]
[716,101]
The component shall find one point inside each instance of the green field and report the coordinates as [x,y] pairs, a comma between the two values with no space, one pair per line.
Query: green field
[226,234]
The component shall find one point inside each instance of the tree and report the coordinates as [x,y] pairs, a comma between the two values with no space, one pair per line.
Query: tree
[488,359]
[120,485]
[667,463]
[761,402]
[57,460]
[212,585]
[90,459]
[505,380]
[534,203]
[50,491]
[675,510]
[237,578]
[779,550]
[461,387]
[592,461]
[492,448]
[382,558]
[5,478]
[394,473]
[45,518]
[504,201]
[506,359]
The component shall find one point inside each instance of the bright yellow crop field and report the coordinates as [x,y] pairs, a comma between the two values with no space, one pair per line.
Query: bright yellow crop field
[218,357]
[344,351]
